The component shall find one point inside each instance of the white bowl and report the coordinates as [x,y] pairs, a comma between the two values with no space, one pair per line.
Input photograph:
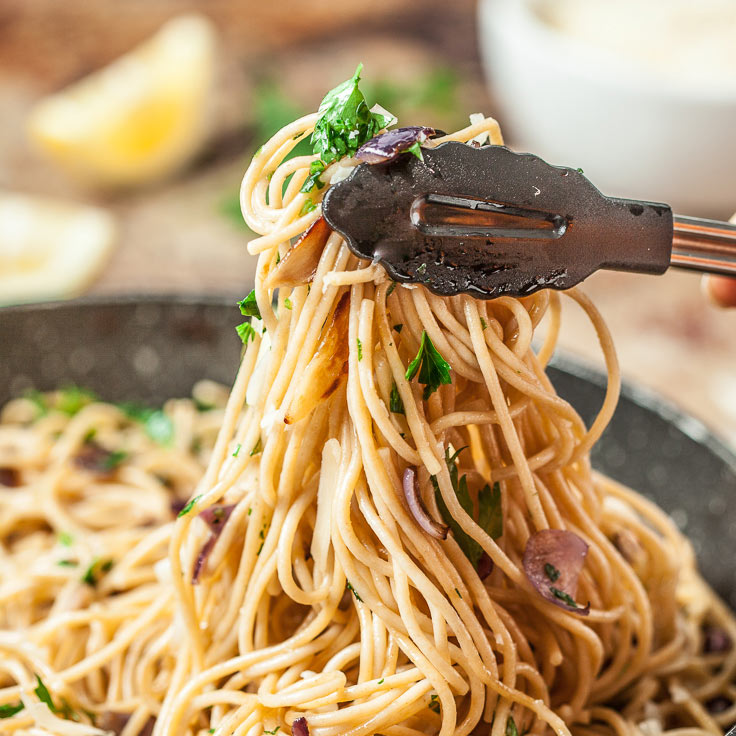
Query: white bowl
[634,133]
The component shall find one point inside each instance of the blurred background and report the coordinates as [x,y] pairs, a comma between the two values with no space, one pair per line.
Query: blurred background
[126,128]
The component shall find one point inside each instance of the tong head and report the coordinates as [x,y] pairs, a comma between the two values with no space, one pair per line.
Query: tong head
[489,222]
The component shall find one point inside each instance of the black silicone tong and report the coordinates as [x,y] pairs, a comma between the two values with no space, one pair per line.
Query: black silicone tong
[488,221]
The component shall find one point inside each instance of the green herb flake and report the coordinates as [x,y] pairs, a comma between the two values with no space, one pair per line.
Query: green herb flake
[114,460]
[9,709]
[579,170]
[391,289]
[287,303]
[271,733]
[73,399]
[258,447]
[44,695]
[189,506]
[260,549]
[246,332]
[483,324]
[345,121]
[360,349]
[353,591]
[490,516]
[91,434]
[434,704]
[564,597]
[237,450]
[551,571]
[380,682]
[67,563]
[159,427]
[95,571]
[313,180]
[511,729]
[249,306]
[66,539]
[458,593]
[396,404]
[415,150]
[432,368]
[307,207]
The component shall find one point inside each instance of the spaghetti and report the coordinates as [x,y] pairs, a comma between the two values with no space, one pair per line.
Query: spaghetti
[311,584]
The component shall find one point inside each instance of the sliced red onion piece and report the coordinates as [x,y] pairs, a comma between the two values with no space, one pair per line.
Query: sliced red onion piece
[485,566]
[388,146]
[553,559]
[300,727]
[425,521]
[215,517]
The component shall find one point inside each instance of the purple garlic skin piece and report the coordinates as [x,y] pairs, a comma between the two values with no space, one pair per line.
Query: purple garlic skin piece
[389,145]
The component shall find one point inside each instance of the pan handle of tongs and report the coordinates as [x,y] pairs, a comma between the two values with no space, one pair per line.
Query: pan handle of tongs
[704,245]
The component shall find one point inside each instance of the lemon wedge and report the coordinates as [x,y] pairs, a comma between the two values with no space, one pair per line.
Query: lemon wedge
[50,249]
[138,119]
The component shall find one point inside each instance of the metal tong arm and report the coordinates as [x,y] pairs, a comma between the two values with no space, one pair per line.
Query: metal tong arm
[704,245]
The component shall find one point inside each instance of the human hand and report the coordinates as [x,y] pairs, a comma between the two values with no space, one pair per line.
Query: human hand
[721,289]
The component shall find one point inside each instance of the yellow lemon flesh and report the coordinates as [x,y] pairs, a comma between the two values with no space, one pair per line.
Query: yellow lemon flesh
[138,119]
[50,249]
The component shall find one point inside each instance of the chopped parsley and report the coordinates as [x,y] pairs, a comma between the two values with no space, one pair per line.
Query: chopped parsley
[156,423]
[551,571]
[189,506]
[433,369]
[287,303]
[391,289]
[422,268]
[396,404]
[67,563]
[353,591]
[73,399]
[258,447]
[380,682]
[580,171]
[95,571]
[113,459]
[490,516]
[345,123]
[44,695]
[360,349]
[249,306]
[458,593]
[434,704]
[557,593]
[511,729]
[415,150]
[308,206]
[66,539]
[483,324]
[271,733]
[237,450]
[246,332]
[9,710]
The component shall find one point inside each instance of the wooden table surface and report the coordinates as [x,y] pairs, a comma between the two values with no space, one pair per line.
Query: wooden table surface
[173,236]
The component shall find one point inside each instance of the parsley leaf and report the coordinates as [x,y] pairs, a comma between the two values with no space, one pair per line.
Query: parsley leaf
[271,733]
[345,121]
[287,303]
[315,170]
[237,450]
[95,571]
[511,729]
[433,369]
[159,427]
[113,459]
[258,447]
[565,597]
[66,539]
[434,704]
[246,332]
[44,695]
[353,591]
[490,517]
[9,710]
[551,571]
[73,398]
[396,404]
[189,506]
[249,306]
[415,150]
[360,349]
[308,206]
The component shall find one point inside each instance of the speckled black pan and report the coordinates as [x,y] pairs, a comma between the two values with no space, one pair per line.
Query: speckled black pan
[150,349]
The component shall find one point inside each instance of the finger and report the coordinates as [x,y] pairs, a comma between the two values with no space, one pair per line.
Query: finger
[721,290]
